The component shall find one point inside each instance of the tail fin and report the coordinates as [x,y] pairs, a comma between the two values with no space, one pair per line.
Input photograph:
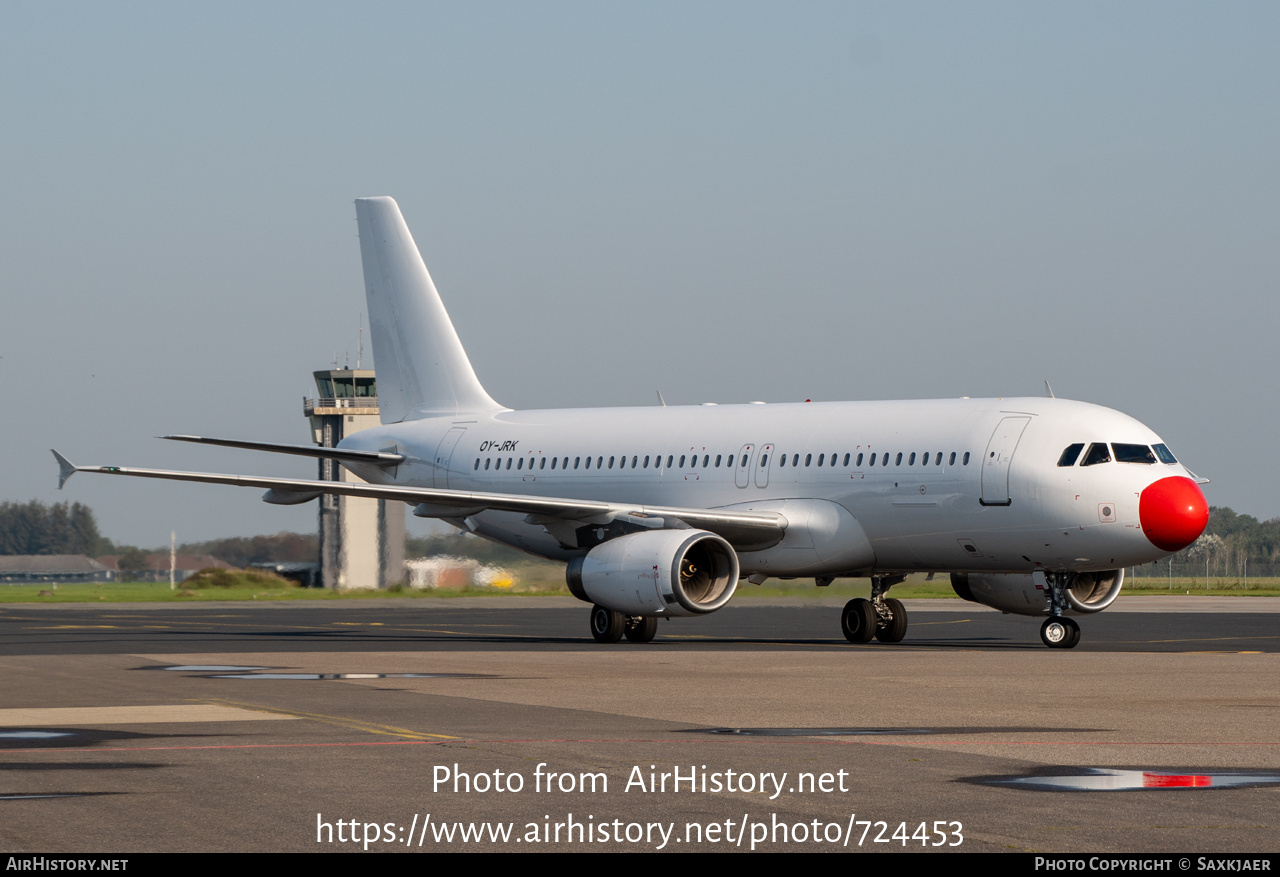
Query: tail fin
[422,369]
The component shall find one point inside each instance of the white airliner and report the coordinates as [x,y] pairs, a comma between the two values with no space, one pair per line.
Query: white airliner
[1032,505]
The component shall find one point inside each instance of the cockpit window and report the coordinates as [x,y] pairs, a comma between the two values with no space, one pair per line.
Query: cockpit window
[1097,453]
[1071,454]
[1165,455]
[1133,454]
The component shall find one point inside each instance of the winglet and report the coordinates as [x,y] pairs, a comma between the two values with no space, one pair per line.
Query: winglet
[65,468]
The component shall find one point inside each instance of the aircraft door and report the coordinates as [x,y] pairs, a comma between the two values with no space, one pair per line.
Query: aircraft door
[998,457]
[762,466]
[742,474]
[444,451]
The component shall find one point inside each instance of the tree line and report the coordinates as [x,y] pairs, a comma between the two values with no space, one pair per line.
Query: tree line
[61,528]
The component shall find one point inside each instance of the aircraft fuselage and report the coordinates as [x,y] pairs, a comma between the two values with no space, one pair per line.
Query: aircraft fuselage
[932,485]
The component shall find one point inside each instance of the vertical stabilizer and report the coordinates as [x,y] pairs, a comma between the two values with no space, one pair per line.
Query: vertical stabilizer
[422,369]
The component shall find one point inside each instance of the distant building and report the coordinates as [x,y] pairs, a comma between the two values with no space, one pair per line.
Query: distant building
[17,569]
[157,569]
[306,574]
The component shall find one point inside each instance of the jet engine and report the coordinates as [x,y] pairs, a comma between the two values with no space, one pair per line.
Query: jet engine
[657,572]
[1028,594]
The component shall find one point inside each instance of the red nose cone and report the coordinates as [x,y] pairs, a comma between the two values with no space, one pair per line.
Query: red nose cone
[1173,513]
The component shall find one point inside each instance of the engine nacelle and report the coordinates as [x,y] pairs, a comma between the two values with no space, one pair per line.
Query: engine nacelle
[1028,593]
[657,572]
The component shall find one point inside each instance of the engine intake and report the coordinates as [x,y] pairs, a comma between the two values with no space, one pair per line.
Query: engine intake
[1095,591]
[657,572]
[1028,594]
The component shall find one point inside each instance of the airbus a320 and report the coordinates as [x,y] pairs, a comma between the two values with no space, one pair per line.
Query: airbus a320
[1031,505]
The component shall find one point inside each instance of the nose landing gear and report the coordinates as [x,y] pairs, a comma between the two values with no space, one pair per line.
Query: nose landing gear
[1058,631]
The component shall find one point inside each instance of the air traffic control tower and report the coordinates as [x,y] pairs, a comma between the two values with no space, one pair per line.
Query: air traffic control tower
[361,540]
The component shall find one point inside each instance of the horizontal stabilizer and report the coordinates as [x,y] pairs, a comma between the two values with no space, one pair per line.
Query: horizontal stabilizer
[377,458]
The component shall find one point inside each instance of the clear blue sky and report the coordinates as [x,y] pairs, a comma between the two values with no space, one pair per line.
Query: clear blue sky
[724,201]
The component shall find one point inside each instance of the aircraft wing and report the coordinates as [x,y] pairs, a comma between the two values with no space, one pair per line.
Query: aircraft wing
[742,529]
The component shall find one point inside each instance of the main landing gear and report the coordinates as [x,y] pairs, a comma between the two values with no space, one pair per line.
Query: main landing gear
[883,618]
[609,626]
[1058,631]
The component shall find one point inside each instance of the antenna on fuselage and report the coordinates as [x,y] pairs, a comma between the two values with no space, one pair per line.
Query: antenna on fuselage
[1049,389]
[661,401]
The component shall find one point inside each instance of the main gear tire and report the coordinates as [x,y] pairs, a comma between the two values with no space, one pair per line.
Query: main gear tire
[893,630]
[641,629]
[858,620]
[607,626]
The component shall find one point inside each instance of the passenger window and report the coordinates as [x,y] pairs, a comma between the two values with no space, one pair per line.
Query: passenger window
[1165,455]
[553,462]
[911,461]
[476,467]
[951,461]
[1071,454]
[965,461]
[543,463]
[898,460]
[487,460]
[1097,453]
[821,457]
[520,463]
[682,461]
[718,458]
[795,459]
[633,461]
[846,459]
[782,461]
[508,462]
[873,460]
[706,460]
[588,463]
[859,463]
[600,462]
[576,461]
[671,457]
[764,460]
[938,462]
[808,459]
